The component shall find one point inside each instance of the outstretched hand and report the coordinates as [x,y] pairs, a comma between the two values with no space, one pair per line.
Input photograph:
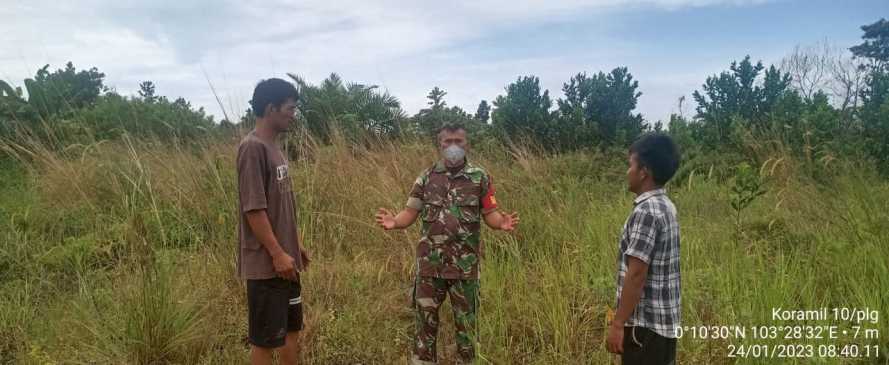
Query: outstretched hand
[385,219]
[509,222]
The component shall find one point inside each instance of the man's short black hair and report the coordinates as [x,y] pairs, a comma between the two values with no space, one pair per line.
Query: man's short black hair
[450,128]
[272,91]
[659,154]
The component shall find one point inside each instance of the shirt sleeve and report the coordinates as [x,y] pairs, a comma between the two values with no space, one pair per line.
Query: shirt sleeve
[251,177]
[489,202]
[641,235]
[415,198]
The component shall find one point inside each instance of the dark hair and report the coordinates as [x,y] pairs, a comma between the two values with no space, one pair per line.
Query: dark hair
[272,91]
[659,154]
[450,128]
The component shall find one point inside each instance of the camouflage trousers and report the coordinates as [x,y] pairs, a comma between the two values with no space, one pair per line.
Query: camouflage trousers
[429,294]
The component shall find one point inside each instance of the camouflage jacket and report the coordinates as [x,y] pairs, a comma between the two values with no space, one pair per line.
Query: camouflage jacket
[451,209]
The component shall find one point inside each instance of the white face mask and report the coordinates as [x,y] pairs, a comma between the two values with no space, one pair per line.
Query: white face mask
[454,154]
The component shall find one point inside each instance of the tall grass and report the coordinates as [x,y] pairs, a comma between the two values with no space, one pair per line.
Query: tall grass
[123,252]
[144,319]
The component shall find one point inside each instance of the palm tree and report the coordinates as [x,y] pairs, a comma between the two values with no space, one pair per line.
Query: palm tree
[12,105]
[354,109]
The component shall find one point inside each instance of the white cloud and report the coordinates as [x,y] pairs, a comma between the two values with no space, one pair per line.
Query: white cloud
[406,47]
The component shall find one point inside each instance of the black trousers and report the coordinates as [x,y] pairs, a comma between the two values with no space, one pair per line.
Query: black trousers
[643,346]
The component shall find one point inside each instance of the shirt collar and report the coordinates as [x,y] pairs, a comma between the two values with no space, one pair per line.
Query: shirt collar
[441,168]
[648,194]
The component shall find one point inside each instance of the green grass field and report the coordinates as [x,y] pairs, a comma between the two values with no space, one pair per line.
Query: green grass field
[124,252]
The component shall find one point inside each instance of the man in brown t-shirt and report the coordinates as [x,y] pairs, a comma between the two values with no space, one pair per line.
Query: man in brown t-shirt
[271,253]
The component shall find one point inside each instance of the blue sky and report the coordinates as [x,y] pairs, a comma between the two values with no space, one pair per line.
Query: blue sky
[472,49]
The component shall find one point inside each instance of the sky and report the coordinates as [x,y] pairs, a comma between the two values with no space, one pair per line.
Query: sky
[471,49]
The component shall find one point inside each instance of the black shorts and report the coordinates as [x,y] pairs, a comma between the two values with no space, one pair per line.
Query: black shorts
[275,308]
[643,346]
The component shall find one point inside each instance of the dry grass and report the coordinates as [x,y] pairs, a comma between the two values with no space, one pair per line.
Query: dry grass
[102,216]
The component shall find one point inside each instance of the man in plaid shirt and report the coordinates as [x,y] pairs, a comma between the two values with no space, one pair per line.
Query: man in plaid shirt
[648,296]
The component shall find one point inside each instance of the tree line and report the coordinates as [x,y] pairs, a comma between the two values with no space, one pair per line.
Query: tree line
[817,102]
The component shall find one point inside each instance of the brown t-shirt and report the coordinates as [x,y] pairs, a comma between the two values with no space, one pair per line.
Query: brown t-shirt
[264,183]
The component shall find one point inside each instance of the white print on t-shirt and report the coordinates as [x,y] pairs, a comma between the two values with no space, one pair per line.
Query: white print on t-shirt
[282,172]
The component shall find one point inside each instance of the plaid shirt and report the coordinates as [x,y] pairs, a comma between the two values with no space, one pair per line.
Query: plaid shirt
[651,234]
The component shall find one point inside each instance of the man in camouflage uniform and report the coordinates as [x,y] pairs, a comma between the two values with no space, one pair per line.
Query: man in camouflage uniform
[452,198]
